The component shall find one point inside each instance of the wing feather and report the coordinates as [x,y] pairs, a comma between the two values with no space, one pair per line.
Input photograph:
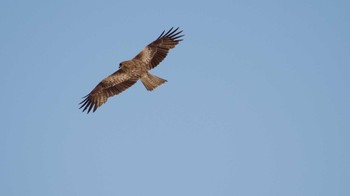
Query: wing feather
[114,84]
[155,52]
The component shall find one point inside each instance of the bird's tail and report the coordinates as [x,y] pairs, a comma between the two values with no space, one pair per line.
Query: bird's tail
[151,82]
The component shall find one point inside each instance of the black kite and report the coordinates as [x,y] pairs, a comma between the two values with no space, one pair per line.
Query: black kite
[131,71]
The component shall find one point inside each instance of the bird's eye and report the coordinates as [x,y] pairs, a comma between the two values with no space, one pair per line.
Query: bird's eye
[120,64]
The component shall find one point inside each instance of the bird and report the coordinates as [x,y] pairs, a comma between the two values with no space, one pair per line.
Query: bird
[131,71]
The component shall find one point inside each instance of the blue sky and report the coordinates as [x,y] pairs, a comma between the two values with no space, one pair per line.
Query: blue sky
[256,103]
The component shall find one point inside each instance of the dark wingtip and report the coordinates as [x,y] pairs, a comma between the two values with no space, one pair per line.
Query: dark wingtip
[161,34]
[172,34]
[167,33]
[86,104]
[91,105]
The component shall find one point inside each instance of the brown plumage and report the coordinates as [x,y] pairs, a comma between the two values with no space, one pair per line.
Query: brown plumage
[131,71]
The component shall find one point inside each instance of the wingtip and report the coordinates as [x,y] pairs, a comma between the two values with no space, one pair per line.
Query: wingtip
[86,104]
[161,34]
[172,33]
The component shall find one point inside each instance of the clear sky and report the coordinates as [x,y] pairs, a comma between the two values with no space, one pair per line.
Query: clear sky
[257,100]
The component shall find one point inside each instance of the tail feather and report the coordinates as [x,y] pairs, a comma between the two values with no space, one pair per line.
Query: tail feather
[151,82]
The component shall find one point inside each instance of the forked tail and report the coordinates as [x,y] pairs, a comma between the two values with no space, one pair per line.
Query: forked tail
[151,82]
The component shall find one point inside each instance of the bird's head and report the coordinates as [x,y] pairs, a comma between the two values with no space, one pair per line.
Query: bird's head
[124,64]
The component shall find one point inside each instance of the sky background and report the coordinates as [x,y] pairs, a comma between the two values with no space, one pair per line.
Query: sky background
[257,100]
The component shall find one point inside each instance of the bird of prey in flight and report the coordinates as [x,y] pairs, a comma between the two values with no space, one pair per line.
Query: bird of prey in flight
[132,70]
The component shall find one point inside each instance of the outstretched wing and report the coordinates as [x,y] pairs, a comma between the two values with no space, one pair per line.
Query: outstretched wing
[155,52]
[110,86]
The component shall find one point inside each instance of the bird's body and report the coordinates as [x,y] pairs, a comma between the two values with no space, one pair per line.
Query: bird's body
[131,71]
[134,67]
